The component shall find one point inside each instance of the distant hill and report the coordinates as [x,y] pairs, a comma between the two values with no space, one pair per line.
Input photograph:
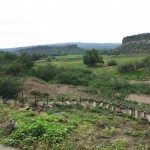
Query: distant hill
[138,44]
[52,49]
[100,46]
[62,48]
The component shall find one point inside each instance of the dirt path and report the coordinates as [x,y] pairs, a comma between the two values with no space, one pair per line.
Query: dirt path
[6,148]
[139,98]
[135,81]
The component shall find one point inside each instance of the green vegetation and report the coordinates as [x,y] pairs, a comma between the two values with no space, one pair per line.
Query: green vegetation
[76,129]
[135,44]
[112,63]
[138,37]
[10,87]
[62,75]
[53,50]
[60,127]
[92,57]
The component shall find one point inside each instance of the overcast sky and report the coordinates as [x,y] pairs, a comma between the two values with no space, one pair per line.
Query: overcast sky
[31,22]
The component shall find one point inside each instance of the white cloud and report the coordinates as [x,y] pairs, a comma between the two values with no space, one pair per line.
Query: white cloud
[28,22]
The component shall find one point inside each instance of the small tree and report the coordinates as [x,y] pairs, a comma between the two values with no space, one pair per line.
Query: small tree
[92,57]
[10,87]
[26,61]
[112,63]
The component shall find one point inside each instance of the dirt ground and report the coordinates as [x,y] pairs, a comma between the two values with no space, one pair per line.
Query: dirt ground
[135,81]
[74,92]
[139,98]
[5,148]
[55,90]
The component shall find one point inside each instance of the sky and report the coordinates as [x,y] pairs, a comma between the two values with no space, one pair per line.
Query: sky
[35,22]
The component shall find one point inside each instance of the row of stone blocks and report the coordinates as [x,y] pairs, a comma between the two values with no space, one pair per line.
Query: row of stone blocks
[134,113]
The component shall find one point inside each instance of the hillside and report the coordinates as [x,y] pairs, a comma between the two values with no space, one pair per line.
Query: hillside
[52,49]
[62,48]
[106,46]
[137,44]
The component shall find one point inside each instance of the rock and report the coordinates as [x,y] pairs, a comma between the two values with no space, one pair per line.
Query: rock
[10,126]
[100,125]
[147,134]
[73,104]
[27,108]
[21,105]
[59,114]
[67,103]
[32,104]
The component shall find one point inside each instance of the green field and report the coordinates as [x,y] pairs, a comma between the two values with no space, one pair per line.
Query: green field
[75,61]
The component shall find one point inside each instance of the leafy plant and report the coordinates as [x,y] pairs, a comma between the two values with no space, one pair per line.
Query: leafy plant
[10,87]
[109,131]
[112,63]
[92,57]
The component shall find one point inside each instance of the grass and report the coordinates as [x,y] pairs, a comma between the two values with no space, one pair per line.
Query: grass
[77,129]
[105,70]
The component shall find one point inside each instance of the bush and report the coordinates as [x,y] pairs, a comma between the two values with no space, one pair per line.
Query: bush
[45,73]
[9,87]
[125,68]
[130,67]
[146,61]
[92,57]
[139,65]
[62,75]
[73,76]
[26,61]
[112,63]
[14,69]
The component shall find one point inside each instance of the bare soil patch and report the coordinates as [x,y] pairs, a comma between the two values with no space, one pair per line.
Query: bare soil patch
[139,98]
[5,148]
[135,81]
[55,90]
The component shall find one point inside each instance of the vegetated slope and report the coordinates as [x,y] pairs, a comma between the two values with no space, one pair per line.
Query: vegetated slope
[52,50]
[138,44]
[74,47]
[99,46]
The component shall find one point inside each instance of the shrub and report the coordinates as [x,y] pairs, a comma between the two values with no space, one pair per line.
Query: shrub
[146,61]
[139,65]
[62,75]
[92,57]
[14,69]
[73,76]
[26,61]
[112,63]
[125,68]
[46,73]
[10,87]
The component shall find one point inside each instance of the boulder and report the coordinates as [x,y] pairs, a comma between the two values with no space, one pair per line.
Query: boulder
[9,127]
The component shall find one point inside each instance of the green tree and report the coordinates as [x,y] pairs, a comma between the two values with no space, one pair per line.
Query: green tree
[26,61]
[10,87]
[92,57]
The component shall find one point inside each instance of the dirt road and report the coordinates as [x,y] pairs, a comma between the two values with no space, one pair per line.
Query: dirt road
[6,148]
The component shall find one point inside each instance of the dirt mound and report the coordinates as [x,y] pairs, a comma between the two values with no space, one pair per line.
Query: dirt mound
[54,90]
